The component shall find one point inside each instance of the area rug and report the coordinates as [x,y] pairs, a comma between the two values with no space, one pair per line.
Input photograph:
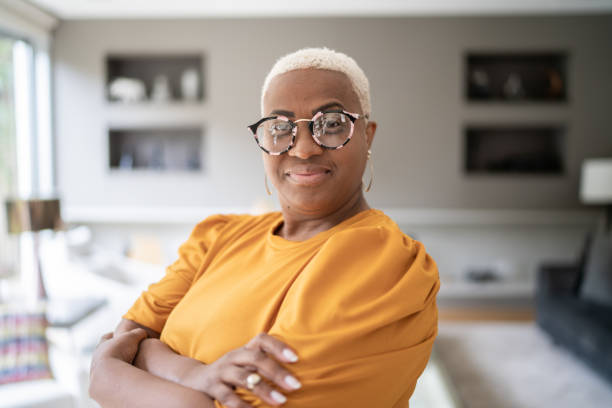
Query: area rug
[516,365]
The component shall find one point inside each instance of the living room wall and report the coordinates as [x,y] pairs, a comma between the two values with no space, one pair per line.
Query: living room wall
[415,67]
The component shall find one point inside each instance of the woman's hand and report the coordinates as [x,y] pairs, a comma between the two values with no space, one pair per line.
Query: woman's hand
[121,347]
[115,382]
[259,356]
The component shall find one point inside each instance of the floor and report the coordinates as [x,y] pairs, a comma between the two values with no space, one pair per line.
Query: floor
[515,365]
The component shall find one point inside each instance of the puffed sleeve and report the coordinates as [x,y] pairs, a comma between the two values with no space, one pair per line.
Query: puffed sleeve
[362,317]
[154,305]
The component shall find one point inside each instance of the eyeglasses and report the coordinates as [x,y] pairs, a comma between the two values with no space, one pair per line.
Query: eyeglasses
[331,130]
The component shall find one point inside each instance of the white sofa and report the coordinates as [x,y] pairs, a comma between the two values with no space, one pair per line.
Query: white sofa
[99,274]
[36,394]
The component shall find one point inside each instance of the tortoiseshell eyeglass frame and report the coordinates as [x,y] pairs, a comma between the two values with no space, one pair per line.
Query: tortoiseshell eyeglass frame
[352,116]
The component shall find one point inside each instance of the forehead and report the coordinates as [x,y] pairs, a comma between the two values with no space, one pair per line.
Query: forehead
[307,89]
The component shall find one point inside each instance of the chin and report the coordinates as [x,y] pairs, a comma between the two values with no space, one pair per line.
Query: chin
[312,201]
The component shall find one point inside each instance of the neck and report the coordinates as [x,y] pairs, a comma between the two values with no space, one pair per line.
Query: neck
[300,226]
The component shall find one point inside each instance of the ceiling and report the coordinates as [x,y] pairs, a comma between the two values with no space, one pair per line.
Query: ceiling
[103,9]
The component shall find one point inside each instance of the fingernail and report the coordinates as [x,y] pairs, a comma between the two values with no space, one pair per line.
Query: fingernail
[292,382]
[290,355]
[278,397]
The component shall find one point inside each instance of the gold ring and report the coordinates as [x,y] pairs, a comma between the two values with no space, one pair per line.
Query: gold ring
[252,380]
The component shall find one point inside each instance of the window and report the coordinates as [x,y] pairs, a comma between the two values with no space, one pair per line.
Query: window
[26,154]
[8,150]
[25,139]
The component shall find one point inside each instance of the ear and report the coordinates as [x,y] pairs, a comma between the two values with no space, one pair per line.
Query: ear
[370,131]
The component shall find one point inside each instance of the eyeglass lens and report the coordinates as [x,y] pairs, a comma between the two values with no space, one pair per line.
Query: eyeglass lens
[331,129]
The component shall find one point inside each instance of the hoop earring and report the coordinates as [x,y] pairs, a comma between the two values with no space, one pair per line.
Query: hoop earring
[371,171]
[266,184]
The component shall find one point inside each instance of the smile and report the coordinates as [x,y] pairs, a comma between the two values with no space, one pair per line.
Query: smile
[308,177]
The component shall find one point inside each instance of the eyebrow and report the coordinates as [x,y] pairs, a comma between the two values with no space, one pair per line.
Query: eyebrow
[321,108]
[282,112]
[325,107]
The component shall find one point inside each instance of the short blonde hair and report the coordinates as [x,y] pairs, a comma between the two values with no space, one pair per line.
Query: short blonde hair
[323,58]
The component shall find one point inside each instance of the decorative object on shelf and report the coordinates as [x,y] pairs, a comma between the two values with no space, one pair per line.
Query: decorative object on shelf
[167,77]
[127,90]
[126,162]
[596,185]
[514,149]
[190,84]
[516,76]
[34,215]
[501,271]
[161,89]
[480,83]
[482,275]
[513,87]
[161,149]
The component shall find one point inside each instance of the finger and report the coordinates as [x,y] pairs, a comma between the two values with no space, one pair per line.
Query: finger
[137,334]
[226,396]
[273,346]
[238,376]
[106,336]
[266,366]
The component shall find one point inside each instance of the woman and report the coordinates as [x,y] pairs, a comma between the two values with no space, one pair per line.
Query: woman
[323,304]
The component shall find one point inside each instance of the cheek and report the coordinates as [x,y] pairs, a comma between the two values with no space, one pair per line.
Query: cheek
[270,164]
[351,164]
[355,156]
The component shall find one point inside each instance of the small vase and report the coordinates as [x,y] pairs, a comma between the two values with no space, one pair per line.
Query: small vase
[190,84]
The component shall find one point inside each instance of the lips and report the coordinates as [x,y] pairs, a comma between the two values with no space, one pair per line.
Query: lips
[308,176]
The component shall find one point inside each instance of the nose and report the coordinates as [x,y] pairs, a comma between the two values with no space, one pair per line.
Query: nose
[305,145]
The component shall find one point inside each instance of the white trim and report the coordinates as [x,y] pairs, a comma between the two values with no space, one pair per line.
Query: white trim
[445,216]
[403,216]
[25,21]
[145,215]
[44,137]
[493,290]
[22,68]
[121,9]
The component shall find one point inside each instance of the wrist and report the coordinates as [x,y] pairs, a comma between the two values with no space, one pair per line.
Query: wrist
[193,374]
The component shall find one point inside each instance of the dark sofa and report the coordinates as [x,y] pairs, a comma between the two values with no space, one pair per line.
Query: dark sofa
[573,307]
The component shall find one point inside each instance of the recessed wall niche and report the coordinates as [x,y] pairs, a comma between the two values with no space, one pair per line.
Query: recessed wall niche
[156,149]
[162,78]
[514,149]
[516,76]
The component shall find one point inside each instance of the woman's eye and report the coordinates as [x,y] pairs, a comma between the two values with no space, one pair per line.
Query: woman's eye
[332,123]
[280,128]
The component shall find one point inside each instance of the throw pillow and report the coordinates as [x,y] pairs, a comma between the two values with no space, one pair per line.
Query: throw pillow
[23,345]
[597,279]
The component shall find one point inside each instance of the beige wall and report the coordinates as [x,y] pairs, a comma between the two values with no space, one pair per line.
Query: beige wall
[415,70]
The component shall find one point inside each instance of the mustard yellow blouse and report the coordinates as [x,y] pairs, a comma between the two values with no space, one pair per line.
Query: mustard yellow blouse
[357,303]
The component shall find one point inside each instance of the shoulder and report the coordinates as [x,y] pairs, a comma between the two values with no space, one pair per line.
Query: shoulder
[219,225]
[221,221]
[378,257]
[374,233]
[368,274]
